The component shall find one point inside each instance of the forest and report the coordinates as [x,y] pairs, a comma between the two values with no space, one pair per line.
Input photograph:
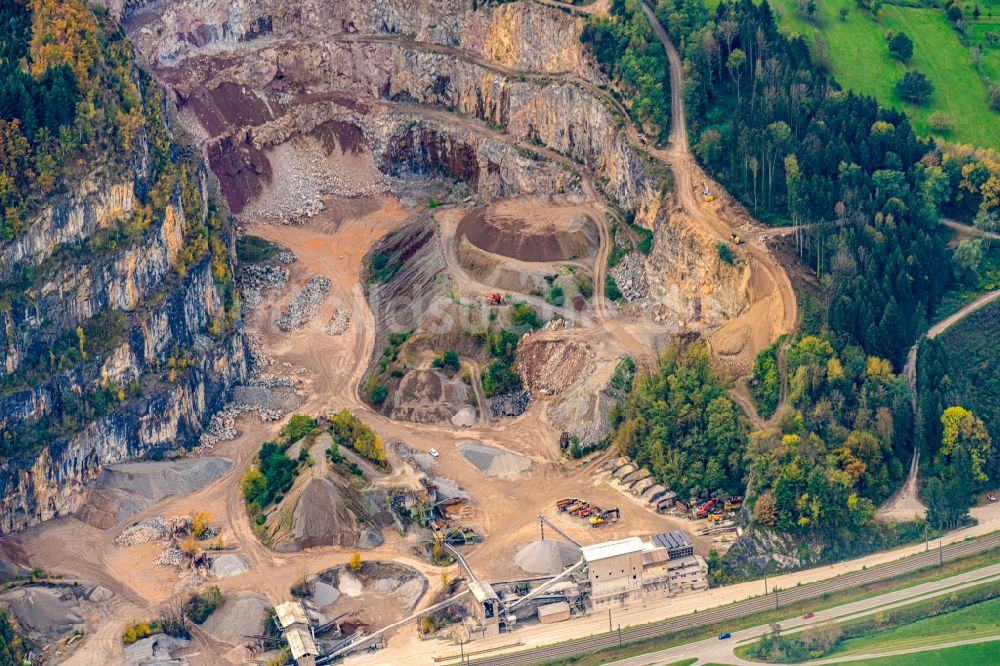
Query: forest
[679,422]
[865,194]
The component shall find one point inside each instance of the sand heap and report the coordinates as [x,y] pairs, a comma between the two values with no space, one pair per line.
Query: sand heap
[546,556]
[492,461]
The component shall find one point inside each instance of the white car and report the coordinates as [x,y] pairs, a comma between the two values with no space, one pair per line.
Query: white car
[434,452]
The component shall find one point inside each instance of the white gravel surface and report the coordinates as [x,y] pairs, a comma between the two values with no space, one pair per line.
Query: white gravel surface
[492,461]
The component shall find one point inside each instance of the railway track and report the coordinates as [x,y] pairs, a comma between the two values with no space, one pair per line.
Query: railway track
[778,599]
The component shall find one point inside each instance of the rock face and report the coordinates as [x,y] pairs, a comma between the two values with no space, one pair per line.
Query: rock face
[110,349]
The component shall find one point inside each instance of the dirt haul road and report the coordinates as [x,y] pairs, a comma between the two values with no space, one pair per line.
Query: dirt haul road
[775,310]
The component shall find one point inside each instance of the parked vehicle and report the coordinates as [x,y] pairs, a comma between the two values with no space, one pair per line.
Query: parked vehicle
[808,616]
[991,497]
[724,636]
[434,452]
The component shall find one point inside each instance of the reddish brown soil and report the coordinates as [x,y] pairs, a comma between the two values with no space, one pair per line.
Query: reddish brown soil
[337,133]
[242,170]
[529,231]
[228,106]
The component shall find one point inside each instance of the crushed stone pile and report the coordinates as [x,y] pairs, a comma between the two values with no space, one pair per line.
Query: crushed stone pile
[144,531]
[239,616]
[304,306]
[630,276]
[509,404]
[170,556]
[546,556]
[155,650]
[339,323]
[229,565]
[492,461]
[256,279]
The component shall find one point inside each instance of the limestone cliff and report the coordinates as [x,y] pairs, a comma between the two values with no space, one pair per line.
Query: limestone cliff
[112,345]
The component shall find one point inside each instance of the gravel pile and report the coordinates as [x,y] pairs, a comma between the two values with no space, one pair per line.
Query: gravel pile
[510,404]
[546,556]
[170,556]
[229,565]
[492,461]
[285,257]
[255,279]
[304,306]
[339,322]
[155,650]
[144,531]
[239,616]
[630,276]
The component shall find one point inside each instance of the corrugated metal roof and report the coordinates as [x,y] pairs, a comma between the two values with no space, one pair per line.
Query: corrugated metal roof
[602,551]
[301,643]
[482,591]
[289,613]
[552,609]
[654,556]
[672,539]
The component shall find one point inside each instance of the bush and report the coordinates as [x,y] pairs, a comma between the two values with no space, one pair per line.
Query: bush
[297,427]
[253,249]
[901,46]
[349,430]
[940,122]
[585,284]
[725,253]
[202,604]
[355,562]
[914,87]
[556,296]
[611,291]
[378,394]
[448,361]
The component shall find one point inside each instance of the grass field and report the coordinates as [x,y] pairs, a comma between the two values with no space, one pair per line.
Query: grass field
[980,654]
[971,622]
[858,55]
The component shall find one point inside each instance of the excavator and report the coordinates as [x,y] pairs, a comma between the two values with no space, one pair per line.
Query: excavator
[614,515]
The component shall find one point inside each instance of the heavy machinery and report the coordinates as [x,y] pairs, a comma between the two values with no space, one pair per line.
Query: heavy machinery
[703,510]
[590,511]
[715,518]
[564,503]
[707,195]
[495,299]
[736,239]
[578,507]
[734,502]
[613,515]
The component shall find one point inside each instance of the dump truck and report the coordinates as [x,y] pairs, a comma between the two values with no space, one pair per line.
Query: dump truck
[563,503]
[736,239]
[590,511]
[578,507]
[707,195]
[703,510]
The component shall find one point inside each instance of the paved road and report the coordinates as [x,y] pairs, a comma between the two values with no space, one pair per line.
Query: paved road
[714,650]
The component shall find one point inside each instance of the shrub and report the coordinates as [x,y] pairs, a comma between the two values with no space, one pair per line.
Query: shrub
[611,291]
[298,426]
[378,394]
[199,524]
[914,87]
[901,46]
[940,122]
[349,430]
[556,296]
[725,253]
[355,562]
[253,249]
[202,604]
[448,361]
